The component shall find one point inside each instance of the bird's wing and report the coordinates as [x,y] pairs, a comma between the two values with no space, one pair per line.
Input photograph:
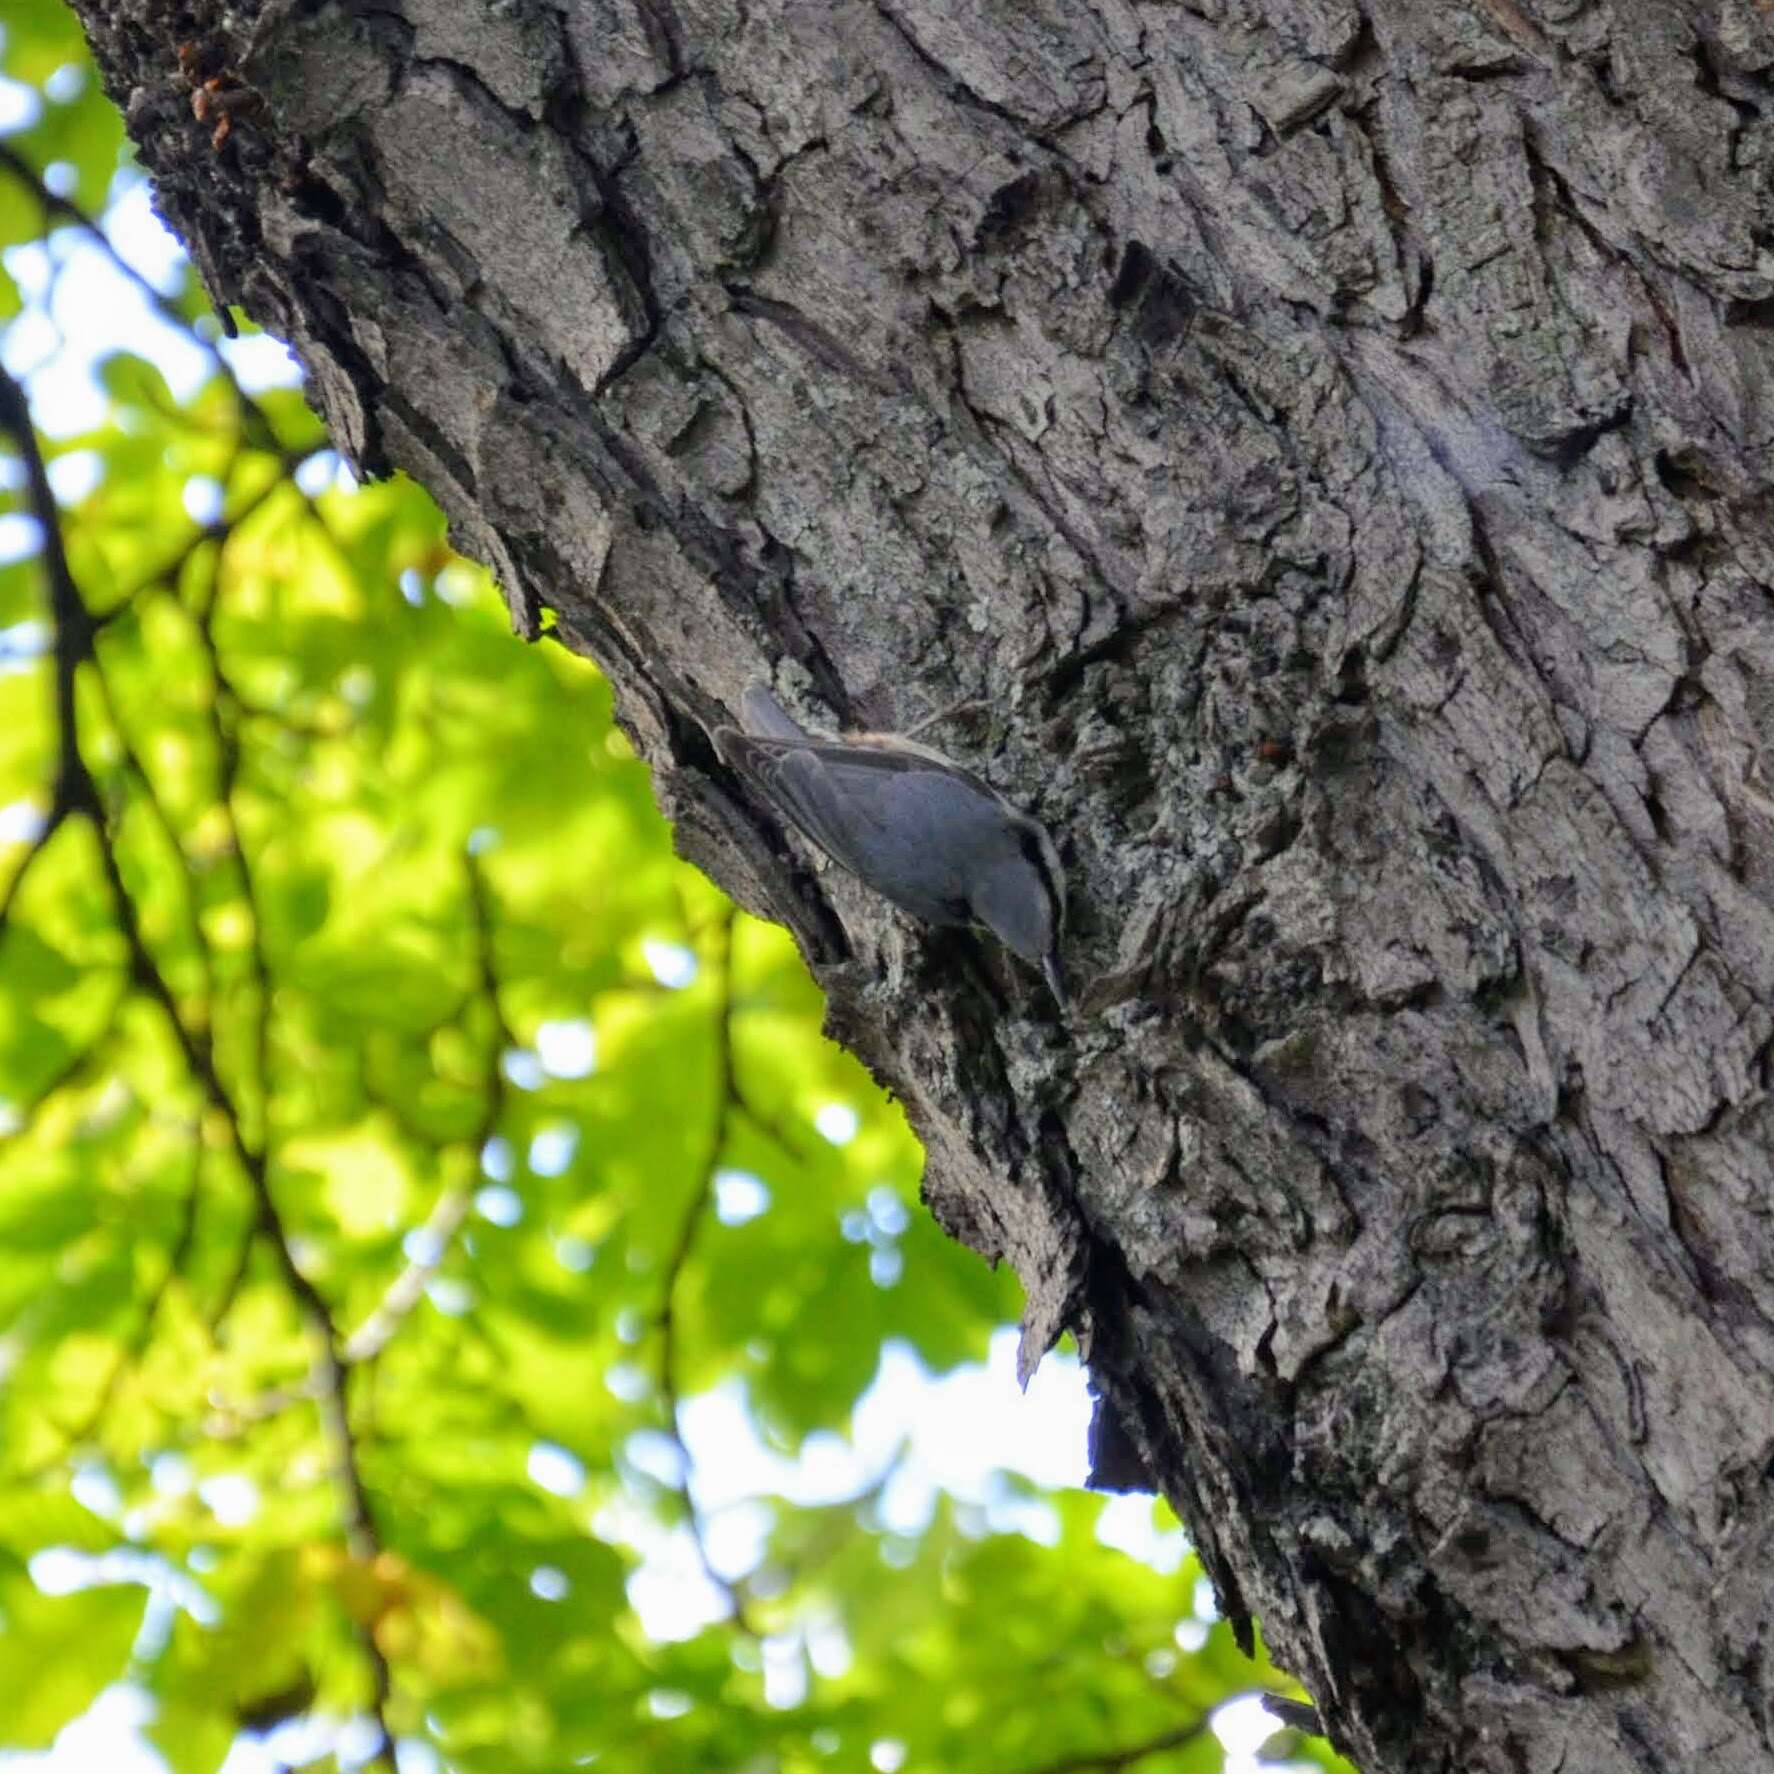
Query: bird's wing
[853,802]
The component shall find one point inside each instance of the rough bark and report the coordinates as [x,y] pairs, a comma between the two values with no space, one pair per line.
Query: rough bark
[1333,444]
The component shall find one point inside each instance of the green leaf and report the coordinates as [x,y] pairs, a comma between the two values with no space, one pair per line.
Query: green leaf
[135,382]
[39,40]
[32,1518]
[194,1738]
[61,1650]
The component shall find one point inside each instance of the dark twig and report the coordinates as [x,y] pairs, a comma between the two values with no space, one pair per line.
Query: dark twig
[451,1208]
[132,1352]
[168,571]
[360,1529]
[793,1141]
[72,630]
[137,773]
[230,1291]
[223,718]
[1110,1761]
[13,162]
[718,958]
[71,1069]
[76,793]
[448,1212]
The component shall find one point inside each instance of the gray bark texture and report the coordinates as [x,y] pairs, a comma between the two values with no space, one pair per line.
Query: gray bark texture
[1332,443]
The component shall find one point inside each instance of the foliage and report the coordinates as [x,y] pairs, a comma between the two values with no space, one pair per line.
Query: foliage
[400,1140]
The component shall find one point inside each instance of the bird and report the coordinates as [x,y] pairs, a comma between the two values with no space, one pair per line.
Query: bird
[919,829]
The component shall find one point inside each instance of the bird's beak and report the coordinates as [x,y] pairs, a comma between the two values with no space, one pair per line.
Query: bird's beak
[1055,976]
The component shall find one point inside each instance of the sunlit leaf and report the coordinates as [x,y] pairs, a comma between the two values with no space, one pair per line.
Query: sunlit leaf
[61,1650]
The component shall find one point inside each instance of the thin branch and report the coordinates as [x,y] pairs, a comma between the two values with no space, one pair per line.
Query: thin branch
[448,1212]
[451,1209]
[407,1289]
[71,1069]
[360,1528]
[71,627]
[137,773]
[1296,1714]
[243,1259]
[719,960]
[76,793]
[136,1347]
[52,823]
[168,571]
[54,203]
[227,781]
[1108,1761]
[793,1141]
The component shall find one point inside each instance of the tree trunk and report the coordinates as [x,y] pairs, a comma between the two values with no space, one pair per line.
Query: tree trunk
[1333,448]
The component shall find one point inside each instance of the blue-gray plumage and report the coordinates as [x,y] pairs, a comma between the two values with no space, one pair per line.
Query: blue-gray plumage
[918,828]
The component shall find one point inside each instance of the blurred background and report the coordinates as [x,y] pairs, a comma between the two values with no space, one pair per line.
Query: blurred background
[456,1310]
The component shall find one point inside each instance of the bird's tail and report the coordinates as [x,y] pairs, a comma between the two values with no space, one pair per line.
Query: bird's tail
[763,717]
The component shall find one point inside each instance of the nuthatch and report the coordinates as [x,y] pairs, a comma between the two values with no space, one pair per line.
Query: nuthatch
[913,825]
